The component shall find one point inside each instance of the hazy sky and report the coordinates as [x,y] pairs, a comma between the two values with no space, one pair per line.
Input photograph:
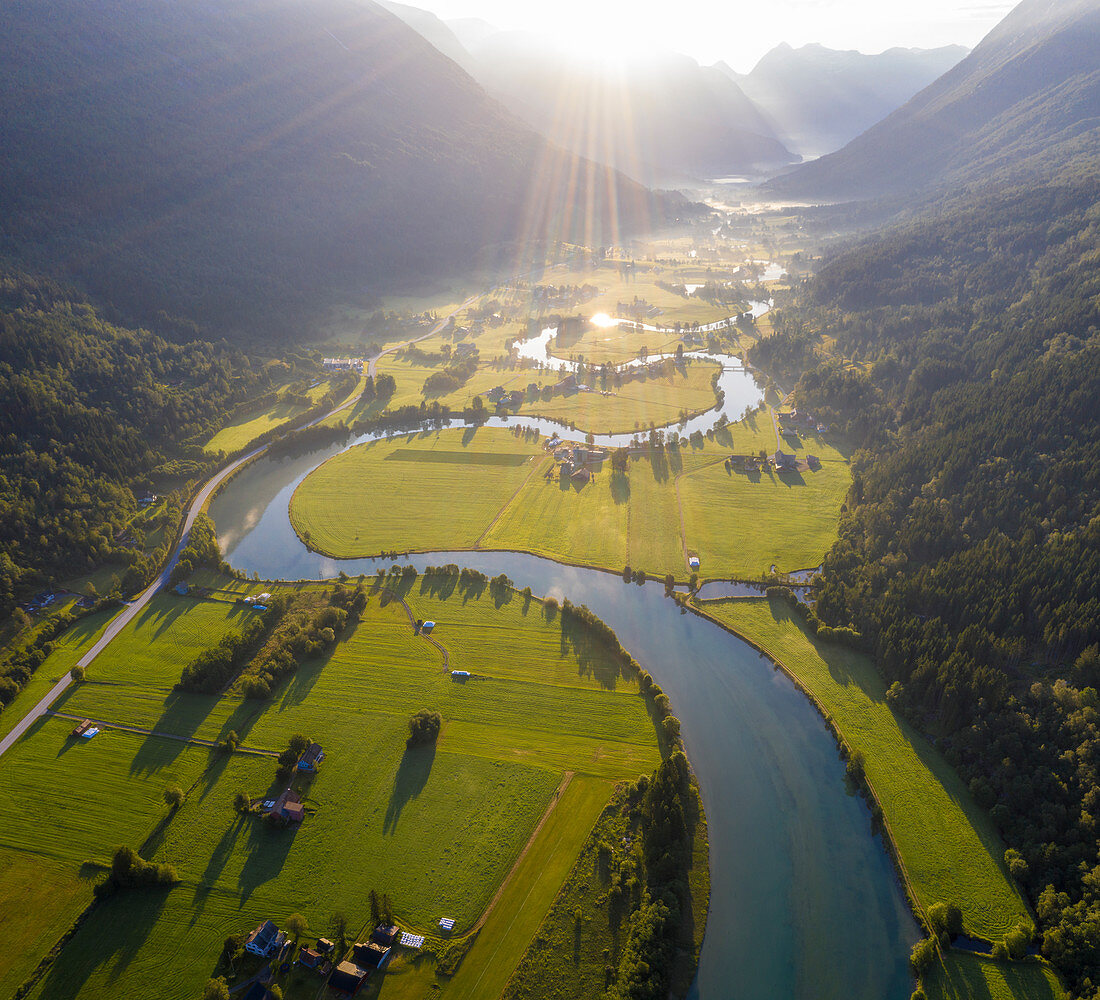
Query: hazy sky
[739,31]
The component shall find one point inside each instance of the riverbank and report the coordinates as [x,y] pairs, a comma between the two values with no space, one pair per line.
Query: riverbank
[946,848]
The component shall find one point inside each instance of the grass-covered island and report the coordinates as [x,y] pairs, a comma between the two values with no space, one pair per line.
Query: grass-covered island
[654,507]
[317,756]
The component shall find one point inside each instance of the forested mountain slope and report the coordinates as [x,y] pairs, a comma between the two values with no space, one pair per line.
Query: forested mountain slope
[88,413]
[243,164]
[1021,106]
[969,553]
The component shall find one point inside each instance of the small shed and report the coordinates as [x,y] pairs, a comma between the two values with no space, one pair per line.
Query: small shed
[324,945]
[384,934]
[460,675]
[693,562]
[81,728]
[427,627]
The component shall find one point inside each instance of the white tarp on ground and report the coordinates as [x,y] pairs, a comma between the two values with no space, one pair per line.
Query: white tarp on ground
[447,923]
[412,940]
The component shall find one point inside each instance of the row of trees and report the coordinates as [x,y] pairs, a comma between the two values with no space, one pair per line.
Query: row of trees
[969,550]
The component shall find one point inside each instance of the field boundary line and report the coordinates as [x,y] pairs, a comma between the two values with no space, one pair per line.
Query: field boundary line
[508,503]
[140,731]
[567,777]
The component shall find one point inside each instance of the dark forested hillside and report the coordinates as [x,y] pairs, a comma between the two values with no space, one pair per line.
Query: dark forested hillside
[1021,106]
[246,163]
[969,553]
[88,413]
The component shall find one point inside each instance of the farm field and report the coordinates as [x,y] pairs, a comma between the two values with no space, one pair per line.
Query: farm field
[635,404]
[252,423]
[429,490]
[436,828]
[668,505]
[977,977]
[68,647]
[949,846]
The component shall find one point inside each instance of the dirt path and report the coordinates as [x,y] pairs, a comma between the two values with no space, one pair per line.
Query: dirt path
[192,741]
[566,778]
[424,635]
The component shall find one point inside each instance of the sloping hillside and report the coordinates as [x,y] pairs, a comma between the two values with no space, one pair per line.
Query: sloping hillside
[1023,105]
[246,163]
[660,119]
[818,98]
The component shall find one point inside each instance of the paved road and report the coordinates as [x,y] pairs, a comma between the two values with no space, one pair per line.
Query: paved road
[134,608]
[137,605]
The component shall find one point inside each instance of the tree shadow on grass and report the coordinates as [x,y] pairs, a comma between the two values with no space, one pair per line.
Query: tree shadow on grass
[441,586]
[268,847]
[183,714]
[109,939]
[409,781]
[620,487]
[216,865]
[594,660]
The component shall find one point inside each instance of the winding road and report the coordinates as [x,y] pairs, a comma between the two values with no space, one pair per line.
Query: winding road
[137,605]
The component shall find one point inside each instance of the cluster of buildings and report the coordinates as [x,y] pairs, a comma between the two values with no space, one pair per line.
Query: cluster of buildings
[288,808]
[342,364]
[798,420]
[577,461]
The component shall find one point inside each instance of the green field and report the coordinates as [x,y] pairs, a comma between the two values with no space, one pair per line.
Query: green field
[250,424]
[361,502]
[670,504]
[975,977]
[948,846]
[636,403]
[438,829]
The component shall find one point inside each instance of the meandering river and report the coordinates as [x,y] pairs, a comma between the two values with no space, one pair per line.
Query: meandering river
[804,902]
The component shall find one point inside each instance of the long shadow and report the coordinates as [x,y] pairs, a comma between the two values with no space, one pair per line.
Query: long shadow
[791,477]
[183,714]
[658,462]
[675,460]
[110,938]
[268,847]
[216,865]
[439,585]
[408,783]
[620,487]
[592,658]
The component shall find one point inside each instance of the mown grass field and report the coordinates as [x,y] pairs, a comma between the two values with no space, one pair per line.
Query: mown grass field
[976,977]
[667,506]
[41,898]
[436,828]
[375,497]
[68,648]
[250,424]
[633,405]
[949,847]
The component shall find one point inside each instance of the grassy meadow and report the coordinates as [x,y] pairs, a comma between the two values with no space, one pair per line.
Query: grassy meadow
[948,845]
[964,976]
[250,424]
[669,505]
[539,733]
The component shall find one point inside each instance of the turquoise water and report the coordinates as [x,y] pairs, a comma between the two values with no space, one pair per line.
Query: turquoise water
[805,903]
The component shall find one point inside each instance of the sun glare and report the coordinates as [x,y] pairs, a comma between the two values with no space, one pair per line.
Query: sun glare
[603,321]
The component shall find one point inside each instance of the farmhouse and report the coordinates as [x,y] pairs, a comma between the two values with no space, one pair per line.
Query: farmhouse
[782,461]
[310,958]
[288,807]
[265,940]
[581,476]
[371,955]
[385,934]
[347,978]
[312,756]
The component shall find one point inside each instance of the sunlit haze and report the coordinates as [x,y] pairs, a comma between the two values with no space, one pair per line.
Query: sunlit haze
[739,32]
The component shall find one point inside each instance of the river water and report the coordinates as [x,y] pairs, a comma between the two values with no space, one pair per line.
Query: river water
[805,903]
